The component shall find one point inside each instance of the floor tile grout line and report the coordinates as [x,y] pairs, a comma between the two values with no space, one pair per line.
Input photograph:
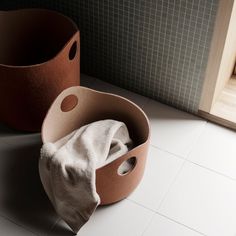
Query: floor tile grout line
[141,205]
[212,170]
[197,139]
[177,222]
[148,224]
[164,150]
[190,161]
[171,185]
[147,208]
[173,181]
[177,155]
[159,213]
[19,225]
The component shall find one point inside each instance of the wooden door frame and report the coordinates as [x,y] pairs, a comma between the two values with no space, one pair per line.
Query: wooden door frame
[221,58]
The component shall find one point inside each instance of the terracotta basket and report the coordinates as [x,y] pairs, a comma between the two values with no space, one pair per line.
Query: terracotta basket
[77,106]
[39,58]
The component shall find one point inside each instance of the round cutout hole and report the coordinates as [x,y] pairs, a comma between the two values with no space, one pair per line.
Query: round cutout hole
[69,103]
[127,166]
[73,51]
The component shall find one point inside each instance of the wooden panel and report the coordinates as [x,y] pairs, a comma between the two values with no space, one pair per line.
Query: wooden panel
[222,55]
[224,110]
[217,120]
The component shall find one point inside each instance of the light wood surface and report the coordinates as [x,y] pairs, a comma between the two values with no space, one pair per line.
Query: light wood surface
[217,120]
[225,106]
[221,56]
[224,109]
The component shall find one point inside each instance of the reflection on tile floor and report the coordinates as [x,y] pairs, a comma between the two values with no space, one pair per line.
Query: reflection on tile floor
[188,189]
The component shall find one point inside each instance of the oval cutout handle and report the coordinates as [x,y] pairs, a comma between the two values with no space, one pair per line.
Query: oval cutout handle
[69,103]
[127,166]
[73,51]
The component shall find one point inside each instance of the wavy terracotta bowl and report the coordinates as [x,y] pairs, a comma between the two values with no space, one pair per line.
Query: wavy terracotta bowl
[77,106]
[39,58]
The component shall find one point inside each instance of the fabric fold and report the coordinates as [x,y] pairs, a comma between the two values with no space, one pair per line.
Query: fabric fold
[68,167]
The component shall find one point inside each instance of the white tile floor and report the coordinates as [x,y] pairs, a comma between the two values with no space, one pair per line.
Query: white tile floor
[189,187]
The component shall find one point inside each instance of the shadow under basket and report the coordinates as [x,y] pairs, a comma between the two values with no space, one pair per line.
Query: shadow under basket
[39,58]
[78,106]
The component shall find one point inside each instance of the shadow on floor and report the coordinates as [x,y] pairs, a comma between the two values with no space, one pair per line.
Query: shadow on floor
[62,230]
[22,198]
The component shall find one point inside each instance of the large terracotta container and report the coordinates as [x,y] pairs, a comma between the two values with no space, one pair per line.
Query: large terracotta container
[77,106]
[39,58]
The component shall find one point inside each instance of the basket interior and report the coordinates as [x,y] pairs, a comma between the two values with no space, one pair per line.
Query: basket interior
[94,106]
[32,36]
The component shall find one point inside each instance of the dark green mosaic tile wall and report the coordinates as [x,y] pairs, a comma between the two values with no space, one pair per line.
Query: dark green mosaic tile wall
[156,48]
